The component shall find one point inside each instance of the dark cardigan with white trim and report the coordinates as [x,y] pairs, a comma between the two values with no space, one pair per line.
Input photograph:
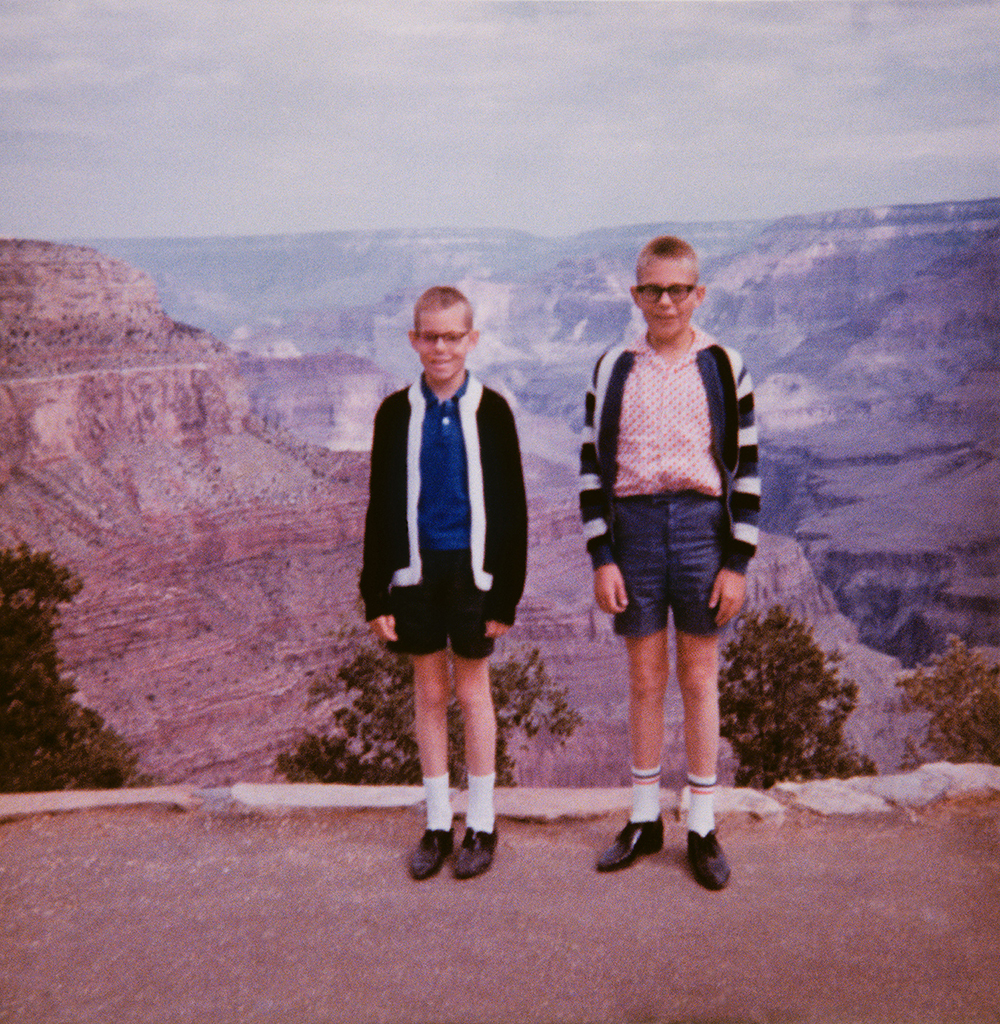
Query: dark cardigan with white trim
[499,534]
[734,446]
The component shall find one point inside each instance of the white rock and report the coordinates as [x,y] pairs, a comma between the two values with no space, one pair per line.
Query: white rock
[279,795]
[738,801]
[833,796]
[931,782]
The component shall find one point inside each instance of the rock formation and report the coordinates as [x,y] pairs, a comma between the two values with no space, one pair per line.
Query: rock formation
[872,336]
[220,550]
[217,554]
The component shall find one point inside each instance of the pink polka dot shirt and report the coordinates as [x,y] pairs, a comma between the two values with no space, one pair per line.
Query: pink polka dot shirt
[666,434]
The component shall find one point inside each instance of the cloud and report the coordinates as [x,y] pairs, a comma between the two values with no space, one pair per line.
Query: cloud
[205,117]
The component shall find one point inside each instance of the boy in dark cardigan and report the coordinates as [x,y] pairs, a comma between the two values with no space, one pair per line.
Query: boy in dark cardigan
[445,559]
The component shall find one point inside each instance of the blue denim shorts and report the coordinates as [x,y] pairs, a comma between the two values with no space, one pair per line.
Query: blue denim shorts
[445,605]
[669,550]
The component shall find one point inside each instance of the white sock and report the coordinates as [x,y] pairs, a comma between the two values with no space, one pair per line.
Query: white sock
[645,794]
[438,797]
[480,816]
[701,808]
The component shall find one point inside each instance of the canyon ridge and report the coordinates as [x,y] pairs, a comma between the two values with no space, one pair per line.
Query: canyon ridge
[211,492]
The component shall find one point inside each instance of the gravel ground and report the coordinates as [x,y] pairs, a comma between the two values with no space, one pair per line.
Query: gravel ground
[144,914]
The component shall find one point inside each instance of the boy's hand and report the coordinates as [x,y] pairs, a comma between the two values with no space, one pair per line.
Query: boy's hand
[495,629]
[728,593]
[609,589]
[384,627]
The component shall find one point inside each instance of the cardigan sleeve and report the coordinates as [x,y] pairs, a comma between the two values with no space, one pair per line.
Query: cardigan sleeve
[506,509]
[744,500]
[595,508]
[383,502]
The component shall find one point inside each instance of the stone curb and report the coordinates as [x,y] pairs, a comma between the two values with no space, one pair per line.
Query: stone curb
[22,805]
[878,794]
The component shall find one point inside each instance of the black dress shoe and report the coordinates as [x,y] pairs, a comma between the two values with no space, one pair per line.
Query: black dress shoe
[634,840]
[707,860]
[475,854]
[427,858]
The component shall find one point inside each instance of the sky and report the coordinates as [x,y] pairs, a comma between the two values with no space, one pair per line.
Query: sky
[178,118]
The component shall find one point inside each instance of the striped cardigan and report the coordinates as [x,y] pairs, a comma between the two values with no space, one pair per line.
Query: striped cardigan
[734,445]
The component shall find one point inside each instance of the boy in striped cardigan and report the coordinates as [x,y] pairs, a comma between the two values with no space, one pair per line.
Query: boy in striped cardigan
[670,496]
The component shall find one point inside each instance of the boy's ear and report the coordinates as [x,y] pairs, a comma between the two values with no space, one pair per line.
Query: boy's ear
[473,337]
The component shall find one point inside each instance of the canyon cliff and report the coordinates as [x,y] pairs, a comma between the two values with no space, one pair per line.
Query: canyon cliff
[196,491]
[217,554]
[873,337]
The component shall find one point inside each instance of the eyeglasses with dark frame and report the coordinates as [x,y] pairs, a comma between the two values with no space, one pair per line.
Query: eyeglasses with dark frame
[655,292]
[449,338]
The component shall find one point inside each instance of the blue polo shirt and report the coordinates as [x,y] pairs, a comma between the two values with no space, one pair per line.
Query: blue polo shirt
[444,514]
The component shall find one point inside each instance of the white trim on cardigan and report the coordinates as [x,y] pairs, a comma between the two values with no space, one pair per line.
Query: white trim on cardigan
[467,406]
[410,575]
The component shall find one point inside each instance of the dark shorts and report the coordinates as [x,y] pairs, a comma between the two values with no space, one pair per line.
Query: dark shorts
[445,605]
[669,550]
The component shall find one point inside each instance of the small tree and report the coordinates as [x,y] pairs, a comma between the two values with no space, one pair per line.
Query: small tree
[47,740]
[783,705]
[370,738]
[961,691]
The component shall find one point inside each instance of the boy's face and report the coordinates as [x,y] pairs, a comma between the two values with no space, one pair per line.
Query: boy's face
[668,318]
[443,342]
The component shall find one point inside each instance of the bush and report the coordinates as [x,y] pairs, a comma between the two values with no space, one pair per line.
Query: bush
[961,691]
[47,740]
[783,705]
[370,738]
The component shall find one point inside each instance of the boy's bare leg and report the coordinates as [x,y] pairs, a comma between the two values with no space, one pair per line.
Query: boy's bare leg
[472,687]
[649,667]
[432,690]
[698,678]
[430,699]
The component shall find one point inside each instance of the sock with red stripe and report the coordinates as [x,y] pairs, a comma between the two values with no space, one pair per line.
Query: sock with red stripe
[701,808]
[645,794]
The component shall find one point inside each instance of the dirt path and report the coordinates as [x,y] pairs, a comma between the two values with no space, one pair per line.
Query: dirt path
[142,915]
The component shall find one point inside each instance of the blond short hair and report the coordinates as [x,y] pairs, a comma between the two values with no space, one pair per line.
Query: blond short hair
[665,247]
[440,297]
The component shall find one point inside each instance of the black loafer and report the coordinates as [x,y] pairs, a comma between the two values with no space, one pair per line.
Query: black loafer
[427,858]
[475,854]
[707,860]
[634,840]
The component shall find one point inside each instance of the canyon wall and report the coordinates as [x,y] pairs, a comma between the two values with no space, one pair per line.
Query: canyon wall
[219,540]
[217,554]
[873,337]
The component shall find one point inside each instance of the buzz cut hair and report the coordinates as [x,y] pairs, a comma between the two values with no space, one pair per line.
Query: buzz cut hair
[439,297]
[665,247]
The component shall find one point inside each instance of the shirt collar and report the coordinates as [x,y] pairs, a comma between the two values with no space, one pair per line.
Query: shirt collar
[433,400]
[701,340]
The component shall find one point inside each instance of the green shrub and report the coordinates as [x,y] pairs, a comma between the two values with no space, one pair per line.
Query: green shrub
[783,704]
[47,740]
[961,692]
[370,737]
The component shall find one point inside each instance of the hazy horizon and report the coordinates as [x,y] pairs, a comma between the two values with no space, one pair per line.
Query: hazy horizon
[187,119]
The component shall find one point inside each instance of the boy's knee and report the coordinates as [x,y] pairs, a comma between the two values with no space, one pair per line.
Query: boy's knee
[432,689]
[647,683]
[472,684]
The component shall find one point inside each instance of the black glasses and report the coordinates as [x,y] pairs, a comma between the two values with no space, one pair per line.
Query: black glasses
[654,292]
[451,338]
